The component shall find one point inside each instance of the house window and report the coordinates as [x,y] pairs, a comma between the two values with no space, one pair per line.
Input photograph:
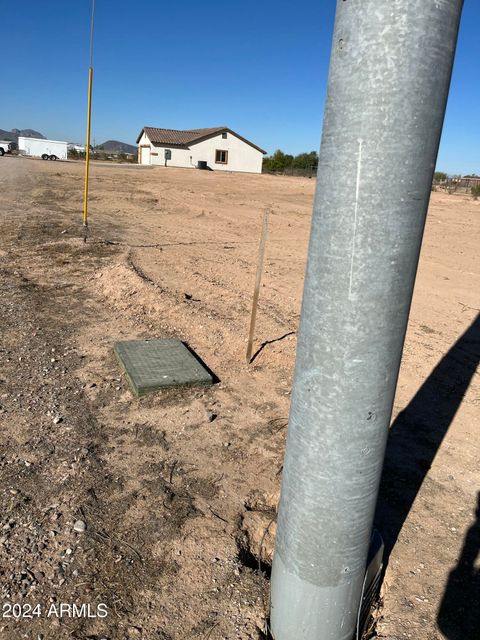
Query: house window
[224,135]
[221,157]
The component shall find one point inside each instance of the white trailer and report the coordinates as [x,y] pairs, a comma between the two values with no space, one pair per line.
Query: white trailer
[45,149]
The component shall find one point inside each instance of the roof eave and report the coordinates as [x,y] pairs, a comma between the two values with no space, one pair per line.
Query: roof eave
[202,138]
[226,129]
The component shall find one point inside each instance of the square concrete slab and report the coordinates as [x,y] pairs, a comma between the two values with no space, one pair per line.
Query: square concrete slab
[158,364]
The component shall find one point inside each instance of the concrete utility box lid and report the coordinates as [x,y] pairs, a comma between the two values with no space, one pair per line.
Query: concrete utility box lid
[159,364]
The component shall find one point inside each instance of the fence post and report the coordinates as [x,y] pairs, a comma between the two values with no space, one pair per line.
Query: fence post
[388,85]
[258,280]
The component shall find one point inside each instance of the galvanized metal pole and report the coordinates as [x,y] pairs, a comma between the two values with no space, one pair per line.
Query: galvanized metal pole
[389,79]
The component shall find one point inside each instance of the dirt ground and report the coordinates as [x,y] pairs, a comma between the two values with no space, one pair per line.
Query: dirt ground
[176,489]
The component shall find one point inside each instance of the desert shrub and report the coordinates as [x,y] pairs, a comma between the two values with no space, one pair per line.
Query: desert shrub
[476,191]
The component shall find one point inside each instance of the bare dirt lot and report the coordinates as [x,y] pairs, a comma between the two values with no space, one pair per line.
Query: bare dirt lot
[176,489]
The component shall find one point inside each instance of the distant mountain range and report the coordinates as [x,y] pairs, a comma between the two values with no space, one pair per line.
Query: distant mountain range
[111,146]
[115,146]
[14,133]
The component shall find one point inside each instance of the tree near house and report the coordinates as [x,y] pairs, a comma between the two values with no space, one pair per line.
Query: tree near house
[279,161]
[306,160]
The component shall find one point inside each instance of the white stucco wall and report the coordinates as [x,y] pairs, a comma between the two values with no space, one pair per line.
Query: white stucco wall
[180,157]
[241,156]
[143,158]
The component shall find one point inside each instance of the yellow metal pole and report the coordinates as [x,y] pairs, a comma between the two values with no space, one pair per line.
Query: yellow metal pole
[89,119]
[87,151]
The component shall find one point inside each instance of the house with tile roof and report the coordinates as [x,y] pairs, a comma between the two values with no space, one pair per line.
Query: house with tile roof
[216,148]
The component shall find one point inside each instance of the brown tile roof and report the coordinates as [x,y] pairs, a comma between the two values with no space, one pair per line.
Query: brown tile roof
[178,138]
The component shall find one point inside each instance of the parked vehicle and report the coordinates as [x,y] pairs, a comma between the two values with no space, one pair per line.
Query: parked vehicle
[40,148]
[5,147]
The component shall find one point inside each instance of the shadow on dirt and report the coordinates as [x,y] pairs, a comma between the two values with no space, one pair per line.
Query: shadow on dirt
[458,614]
[267,342]
[419,430]
[415,437]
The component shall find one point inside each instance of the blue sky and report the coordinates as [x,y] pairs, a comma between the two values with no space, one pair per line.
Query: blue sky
[257,66]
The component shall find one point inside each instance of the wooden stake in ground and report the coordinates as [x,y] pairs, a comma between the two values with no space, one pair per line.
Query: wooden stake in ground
[258,279]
